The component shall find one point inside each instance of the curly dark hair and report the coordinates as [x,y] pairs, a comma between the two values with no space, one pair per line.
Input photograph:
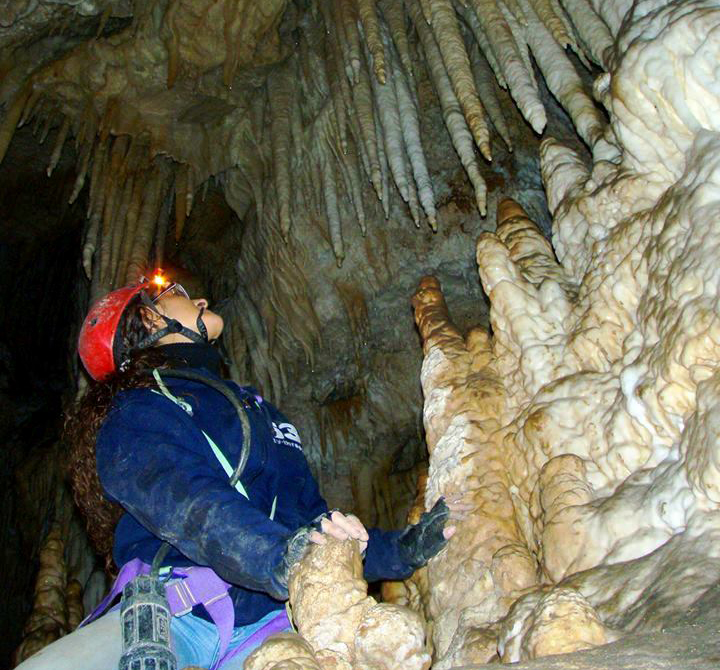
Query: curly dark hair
[86,415]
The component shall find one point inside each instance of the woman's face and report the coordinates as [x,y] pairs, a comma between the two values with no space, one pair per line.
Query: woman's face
[186,310]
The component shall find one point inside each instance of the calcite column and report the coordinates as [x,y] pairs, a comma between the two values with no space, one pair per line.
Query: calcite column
[474,579]
[340,627]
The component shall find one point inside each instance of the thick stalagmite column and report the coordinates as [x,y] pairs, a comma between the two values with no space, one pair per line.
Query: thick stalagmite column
[474,578]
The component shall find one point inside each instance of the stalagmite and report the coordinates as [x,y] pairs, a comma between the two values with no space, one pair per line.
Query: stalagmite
[520,81]
[345,627]
[604,363]
[452,115]
[452,48]
[48,620]
[283,651]
[371,29]
[487,562]
[558,622]
[562,79]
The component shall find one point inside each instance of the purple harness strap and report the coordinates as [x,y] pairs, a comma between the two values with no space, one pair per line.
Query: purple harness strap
[275,625]
[198,586]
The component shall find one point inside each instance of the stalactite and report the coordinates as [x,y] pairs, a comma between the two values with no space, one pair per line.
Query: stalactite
[392,134]
[47,124]
[520,81]
[562,79]
[394,14]
[120,228]
[365,115]
[12,116]
[172,43]
[337,82]
[518,30]
[349,18]
[553,18]
[592,30]
[59,143]
[29,109]
[452,115]
[111,187]
[486,88]
[329,188]
[452,48]
[410,126]
[96,176]
[84,162]
[384,170]
[181,189]
[163,223]
[472,21]
[374,43]
[140,184]
[281,86]
[143,239]
[90,244]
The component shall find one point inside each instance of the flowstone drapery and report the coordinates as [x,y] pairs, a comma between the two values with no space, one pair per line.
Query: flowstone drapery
[598,392]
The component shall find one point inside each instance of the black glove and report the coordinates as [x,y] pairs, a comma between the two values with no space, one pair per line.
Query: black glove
[296,547]
[418,543]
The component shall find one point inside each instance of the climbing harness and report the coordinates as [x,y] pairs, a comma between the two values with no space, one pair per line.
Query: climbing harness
[147,600]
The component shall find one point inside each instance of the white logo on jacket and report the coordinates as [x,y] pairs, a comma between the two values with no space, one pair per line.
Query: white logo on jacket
[286,433]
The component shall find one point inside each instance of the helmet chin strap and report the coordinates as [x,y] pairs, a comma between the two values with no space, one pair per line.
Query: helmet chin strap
[173,326]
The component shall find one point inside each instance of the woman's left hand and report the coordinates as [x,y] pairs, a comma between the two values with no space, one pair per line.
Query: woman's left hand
[341,526]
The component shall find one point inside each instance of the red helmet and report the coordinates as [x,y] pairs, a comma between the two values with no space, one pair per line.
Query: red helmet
[97,336]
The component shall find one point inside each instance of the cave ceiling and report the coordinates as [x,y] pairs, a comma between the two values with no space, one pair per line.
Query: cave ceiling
[252,149]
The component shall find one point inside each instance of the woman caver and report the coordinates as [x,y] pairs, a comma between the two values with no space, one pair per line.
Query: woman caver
[155,459]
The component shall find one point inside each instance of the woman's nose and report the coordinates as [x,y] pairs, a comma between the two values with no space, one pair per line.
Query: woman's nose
[201,302]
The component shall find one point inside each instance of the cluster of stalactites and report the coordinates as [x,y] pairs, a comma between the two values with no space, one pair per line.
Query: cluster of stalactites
[345,109]
[130,195]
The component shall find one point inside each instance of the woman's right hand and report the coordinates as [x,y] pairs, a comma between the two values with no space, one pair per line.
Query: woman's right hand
[341,527]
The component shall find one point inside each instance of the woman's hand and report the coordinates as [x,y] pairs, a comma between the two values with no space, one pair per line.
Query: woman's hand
[458,511]
[341,526]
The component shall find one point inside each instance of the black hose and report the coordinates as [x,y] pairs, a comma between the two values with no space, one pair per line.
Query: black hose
[232,398]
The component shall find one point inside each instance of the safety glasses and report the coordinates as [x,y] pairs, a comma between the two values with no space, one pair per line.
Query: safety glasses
[172,289]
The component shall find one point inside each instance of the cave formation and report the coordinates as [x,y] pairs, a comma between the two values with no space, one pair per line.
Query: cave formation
[465,245]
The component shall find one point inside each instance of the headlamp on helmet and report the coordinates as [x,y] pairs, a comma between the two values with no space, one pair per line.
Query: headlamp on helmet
[99,345]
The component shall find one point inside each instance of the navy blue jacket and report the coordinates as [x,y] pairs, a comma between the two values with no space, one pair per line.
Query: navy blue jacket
[154,460]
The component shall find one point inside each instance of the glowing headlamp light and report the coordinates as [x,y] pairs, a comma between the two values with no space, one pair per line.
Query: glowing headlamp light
[165,287]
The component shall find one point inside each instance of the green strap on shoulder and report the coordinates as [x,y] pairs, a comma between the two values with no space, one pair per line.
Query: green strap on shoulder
[222,459]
